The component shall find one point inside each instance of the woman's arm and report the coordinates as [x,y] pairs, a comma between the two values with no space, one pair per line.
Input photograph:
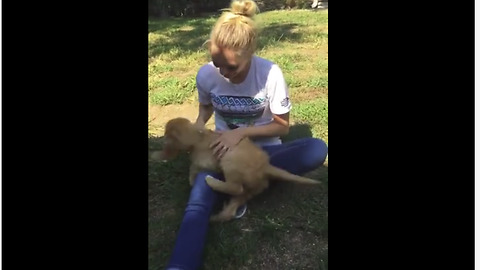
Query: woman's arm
[204,114]
[278,127]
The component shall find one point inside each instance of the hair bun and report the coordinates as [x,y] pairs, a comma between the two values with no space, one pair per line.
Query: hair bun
[246,8]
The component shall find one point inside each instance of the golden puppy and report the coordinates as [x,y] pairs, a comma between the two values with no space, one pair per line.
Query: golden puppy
[246,167]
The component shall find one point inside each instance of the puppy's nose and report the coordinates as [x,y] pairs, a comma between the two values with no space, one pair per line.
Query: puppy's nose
[158,156]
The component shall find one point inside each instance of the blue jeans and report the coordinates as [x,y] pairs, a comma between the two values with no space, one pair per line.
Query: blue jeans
[298,157]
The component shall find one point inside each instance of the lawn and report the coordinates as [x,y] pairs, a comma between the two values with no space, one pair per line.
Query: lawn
[287,226]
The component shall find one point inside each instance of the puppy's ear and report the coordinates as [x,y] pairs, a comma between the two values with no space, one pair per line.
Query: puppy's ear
[170,152]
[164,155]
[170,149]
[174,133]
[158,155]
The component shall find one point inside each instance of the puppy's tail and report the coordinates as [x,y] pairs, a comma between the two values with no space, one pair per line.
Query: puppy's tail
[280,174]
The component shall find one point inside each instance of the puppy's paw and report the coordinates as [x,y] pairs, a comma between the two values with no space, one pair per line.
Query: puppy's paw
[217,218]
[221,217]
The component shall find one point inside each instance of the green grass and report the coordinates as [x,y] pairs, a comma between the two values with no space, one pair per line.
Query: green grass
[315,113]
[296,40]
[286,227]
[175,90]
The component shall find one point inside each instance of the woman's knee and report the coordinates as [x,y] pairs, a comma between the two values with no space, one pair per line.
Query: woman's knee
[318,151]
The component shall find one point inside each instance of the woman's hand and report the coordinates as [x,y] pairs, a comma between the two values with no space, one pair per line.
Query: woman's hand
[226,141]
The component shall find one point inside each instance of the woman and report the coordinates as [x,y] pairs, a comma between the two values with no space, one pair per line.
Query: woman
[250,99]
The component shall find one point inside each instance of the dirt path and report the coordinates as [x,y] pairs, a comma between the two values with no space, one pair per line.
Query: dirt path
[159,115]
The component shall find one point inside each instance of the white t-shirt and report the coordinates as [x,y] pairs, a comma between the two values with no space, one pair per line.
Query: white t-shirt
[249,103]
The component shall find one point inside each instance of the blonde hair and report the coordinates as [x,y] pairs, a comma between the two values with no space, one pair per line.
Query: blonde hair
[236,29]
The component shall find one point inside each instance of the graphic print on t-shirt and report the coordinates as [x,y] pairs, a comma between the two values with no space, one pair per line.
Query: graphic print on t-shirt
[238,111]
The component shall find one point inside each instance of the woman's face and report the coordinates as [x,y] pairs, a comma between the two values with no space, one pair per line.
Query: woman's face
[229,64]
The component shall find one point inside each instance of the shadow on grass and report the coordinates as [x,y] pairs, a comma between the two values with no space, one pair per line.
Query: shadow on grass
[184,36]
[276,33]
[298,131]
[278,192]
[287,216]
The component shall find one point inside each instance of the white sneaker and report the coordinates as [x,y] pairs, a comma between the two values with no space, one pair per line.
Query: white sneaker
[241,211]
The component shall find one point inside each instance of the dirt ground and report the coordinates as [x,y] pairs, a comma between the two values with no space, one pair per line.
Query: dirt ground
[159,115]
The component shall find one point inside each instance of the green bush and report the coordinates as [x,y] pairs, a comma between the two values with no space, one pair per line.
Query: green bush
[267,5]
